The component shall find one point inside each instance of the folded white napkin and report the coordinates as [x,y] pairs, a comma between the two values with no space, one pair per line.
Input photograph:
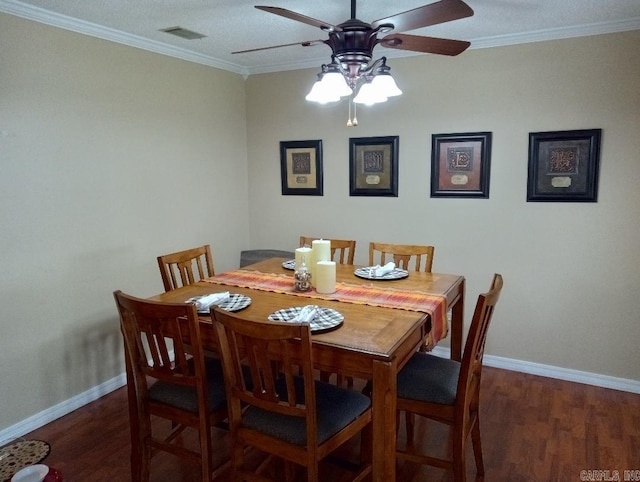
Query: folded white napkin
[213,299]
[382,270]
[307,314]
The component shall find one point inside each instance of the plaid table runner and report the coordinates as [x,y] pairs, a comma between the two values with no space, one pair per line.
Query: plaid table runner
[386,297]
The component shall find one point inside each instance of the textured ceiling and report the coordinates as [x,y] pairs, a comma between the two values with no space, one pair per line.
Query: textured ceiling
[231,25]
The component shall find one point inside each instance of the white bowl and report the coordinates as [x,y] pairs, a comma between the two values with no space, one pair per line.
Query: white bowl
[32,473]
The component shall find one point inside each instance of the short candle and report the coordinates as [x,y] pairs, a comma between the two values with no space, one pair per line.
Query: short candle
[303,253]
[325,277]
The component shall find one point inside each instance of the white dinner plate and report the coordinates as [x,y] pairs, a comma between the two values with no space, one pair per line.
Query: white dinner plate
[326,319]
[369,273]
[236,302]
[289,264]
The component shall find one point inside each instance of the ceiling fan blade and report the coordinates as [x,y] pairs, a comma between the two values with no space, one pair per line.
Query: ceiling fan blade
[283,12]
[429,45]
[432,14]
[307,43]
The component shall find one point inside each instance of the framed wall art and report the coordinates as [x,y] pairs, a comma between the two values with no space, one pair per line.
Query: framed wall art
[564,165]
[301,167]
[461,165]
[373,166]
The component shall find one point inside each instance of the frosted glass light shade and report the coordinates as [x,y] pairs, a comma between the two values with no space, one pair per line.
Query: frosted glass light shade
[385,84]
[336,83]
[320,94]
[369,95]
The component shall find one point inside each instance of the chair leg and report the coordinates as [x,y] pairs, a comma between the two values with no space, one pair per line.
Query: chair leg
[136,459]
[206,459]
[477,448]
[141,451]
[136,465]
[312,472]
[458,457]
[145,463]
[237,459]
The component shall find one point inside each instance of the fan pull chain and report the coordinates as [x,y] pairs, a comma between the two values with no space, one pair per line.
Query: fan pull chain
[350,122]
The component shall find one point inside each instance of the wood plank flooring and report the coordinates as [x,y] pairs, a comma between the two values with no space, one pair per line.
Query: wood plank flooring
[533,429]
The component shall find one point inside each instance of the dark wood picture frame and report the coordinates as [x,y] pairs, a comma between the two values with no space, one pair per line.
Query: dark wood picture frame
[301,168]
[564,165]
[461,165]
[373,166]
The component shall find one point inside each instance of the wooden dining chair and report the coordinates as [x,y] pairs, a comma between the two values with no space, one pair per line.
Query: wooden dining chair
[177,269]
[346,248]
[289,416]
[448,392]
[169,381]
[402,255]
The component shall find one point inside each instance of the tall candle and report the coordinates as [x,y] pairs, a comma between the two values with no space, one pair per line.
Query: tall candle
[326,277]
[321,250]
[303,253]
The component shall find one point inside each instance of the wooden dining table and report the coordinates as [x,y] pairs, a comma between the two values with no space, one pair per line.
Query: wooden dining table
[372,343]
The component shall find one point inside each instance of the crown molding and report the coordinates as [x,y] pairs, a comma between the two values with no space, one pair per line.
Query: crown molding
[41,15]
[557,33]
[47,17]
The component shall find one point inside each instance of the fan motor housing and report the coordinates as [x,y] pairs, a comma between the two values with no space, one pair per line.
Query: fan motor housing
[354,43]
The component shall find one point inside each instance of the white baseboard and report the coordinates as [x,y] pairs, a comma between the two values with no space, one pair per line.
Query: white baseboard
[596,379]
[63,408]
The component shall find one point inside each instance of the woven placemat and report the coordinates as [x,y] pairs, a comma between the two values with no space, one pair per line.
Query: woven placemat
[20,454]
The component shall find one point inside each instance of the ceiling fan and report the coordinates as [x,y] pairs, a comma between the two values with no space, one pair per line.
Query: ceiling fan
[352,43]
[355,39]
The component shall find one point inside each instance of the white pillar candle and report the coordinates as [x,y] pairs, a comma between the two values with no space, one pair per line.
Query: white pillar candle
[321,250]
[326,277]
[303,253]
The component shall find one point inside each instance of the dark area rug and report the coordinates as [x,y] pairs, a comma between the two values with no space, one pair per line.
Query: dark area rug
[19,454]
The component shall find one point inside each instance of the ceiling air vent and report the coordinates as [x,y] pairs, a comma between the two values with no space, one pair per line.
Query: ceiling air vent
[183,33]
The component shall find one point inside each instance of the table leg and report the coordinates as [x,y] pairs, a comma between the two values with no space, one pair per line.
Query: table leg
[457,325]
[384,421]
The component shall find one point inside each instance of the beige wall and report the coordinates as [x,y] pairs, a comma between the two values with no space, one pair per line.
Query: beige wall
[109,156]
[571,270]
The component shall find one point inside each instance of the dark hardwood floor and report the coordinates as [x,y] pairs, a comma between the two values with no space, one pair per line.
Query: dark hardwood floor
[533,429]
